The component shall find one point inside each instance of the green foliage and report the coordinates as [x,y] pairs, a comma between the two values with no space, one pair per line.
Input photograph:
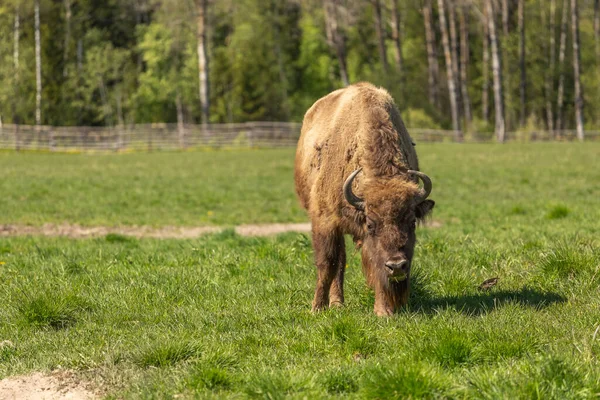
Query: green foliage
[418,119]
[119,62]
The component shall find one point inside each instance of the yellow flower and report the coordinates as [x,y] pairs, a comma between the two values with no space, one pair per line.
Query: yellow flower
[2,262]
[210,213]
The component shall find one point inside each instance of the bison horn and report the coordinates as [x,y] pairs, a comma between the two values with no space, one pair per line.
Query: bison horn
[426,184]
[354,200]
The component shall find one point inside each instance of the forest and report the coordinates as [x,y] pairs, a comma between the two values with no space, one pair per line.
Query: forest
[492,66]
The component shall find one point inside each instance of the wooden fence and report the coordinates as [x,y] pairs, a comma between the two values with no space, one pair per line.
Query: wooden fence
[149,137]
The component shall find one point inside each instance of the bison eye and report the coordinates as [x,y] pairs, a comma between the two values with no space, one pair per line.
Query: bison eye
[370,225]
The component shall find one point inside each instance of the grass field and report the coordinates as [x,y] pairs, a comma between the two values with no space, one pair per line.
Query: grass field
[229,316]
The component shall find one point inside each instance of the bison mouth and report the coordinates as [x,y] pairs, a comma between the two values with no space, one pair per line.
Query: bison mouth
[398,278]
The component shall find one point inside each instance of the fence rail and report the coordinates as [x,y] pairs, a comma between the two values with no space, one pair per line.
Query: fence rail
[149,137]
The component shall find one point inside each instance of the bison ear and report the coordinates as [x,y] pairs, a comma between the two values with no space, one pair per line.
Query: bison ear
[424,208]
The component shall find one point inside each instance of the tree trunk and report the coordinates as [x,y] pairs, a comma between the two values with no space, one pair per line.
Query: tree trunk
[16,32]
[16,39]
[203,71]
[283,82]
[396,36]
[561,66]
[506,72]
[38,66]
[336,39]
[450,72]
[180,124]
[485,66]
[549,81]
[380,34]
[577,70]
[523,83]
[497,74]
[597,29]
[455,51]
[67,35]
[464,61]
[432,63]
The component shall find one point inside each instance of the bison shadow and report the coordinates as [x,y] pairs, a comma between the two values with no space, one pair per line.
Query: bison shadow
[482,302]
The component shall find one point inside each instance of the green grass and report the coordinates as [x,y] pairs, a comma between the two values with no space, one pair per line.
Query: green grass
[228,316]
[474,185]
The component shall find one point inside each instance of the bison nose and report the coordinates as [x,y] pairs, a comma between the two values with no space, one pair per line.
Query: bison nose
[397,266]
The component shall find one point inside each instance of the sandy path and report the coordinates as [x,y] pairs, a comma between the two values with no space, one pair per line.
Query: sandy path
[78,231]
[58,385]
[165,232]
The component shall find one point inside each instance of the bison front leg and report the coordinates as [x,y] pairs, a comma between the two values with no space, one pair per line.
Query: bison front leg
[330,262]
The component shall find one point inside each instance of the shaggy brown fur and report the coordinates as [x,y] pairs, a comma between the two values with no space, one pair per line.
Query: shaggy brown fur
[355,127]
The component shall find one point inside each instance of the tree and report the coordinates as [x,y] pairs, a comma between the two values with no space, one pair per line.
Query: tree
[203,71]
[549,74]
[485,68]
[449,71]
[396,37]
[506,72]
[523,84]
[464,62]
[454,49]
[496,73]
[38,66]
[380,34]
[16,34]
[577,70]
[597,29]
[432,62]
[561,66]
[336,39]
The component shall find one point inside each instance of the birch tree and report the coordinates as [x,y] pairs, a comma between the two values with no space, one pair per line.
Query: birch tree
[396,37]
[549,75]
[16,34]
[38,66]
[597,29]
[380,34]
[464,62]
[454,48]
[336,39]
[432,62]
[485,68]
[561,65]
[449,71]
[523,83]
[203,67]
[577,69]
[497,74]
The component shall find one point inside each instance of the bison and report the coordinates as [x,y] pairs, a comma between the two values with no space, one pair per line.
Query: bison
[356,172]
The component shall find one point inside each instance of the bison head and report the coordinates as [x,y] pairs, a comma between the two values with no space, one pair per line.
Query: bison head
[388,215]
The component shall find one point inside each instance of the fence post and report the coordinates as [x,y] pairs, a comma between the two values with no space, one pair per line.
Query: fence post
[17,138]
[51,139]
[150,140]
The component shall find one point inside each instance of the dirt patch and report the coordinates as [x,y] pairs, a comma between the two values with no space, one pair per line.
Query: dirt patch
[57,385]
[165,232]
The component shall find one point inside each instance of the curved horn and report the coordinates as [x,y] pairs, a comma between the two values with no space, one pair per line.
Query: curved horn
[426,184]
[354,200]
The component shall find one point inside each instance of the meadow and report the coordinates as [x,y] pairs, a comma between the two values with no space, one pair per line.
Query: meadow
[225,316]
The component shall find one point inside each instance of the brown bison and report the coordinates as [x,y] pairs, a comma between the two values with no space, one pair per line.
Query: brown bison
[357,173]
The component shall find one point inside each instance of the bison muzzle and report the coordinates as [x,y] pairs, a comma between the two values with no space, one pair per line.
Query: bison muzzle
[357,173]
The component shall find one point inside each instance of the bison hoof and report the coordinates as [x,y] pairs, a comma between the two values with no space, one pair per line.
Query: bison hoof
[384,312]
[336,304]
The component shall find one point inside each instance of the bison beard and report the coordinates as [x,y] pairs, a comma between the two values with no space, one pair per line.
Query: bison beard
[356,173]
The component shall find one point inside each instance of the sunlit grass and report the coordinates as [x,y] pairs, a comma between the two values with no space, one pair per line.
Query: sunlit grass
[229,317]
